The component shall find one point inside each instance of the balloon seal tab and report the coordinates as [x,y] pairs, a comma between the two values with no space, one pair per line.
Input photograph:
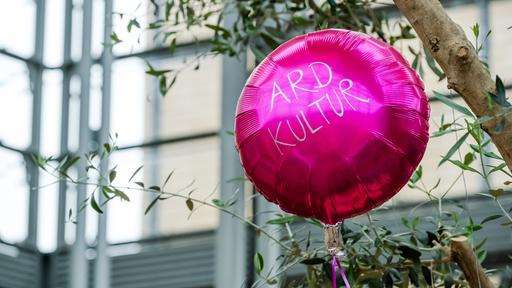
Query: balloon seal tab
[332,239]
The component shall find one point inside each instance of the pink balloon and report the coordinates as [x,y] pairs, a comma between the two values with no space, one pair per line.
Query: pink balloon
[331,124]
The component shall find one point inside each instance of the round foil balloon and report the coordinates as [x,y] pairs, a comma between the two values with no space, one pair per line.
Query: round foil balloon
[331,124]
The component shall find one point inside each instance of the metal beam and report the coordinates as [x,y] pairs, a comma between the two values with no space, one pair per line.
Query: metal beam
[64,122]
[231,243]
[79,264]
[151,220]
[36,78]
[102,263]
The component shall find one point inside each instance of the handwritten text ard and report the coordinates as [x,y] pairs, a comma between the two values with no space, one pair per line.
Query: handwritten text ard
[332,93]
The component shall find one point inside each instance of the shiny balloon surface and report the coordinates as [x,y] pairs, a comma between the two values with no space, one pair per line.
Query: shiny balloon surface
[331,124]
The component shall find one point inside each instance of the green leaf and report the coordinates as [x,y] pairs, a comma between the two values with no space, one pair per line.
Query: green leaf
[427,275]
[153,202]
[155,188]
[157,24]
[219,29]
[135,172]
[453,149]
[468,159]
[140,184]
[168,178]
[281,220]
[416,176]
[95,205]
[464,166]
[115,39]
[112,175]
[70,161]
[491,218]
[269,40]
[172,46]
[168,7]
[258,262]
[260,56]
[450,103]
[410,252]
[476,30]
[190,204]
[500,96]
[133,22]
[219,203]
[121,194]
[107,147]
[413,277]
[154,72]
[498,168]
[433,66]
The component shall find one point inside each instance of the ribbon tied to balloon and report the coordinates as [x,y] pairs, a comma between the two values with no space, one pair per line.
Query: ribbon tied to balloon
[331,124]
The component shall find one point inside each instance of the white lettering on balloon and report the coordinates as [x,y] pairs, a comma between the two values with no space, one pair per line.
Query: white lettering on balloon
[334,93]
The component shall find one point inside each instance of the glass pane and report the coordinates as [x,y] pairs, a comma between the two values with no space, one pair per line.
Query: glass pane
[14,204]
[128,101]
[125,218]
[196,165]
[15,103]
[193,104]
[47,213]
[54,32]
[17,19]
[51,112]
[50,141]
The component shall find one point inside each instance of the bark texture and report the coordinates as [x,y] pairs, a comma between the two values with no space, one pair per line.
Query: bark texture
[457,57]
[463,255]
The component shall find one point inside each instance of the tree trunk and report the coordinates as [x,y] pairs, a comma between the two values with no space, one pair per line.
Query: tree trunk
[463,255]
[459,60]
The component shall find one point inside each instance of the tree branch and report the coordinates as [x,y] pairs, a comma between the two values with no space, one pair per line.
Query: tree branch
[457,57]
[463,255]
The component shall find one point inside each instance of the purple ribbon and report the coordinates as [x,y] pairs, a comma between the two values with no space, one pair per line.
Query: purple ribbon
[335,265]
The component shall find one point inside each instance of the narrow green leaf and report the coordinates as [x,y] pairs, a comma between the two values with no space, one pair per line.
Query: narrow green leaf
[135,172]
[281,220]
[260,56]
[112,175]
[121,194]
[168,178]
[258,262]
[450,103]
[491,218]
[153,202]
[463,166]
[155,188]
[454,149]
[95,205]
[133,22]
[219,203]
[269,40]
[433,65]
[70,161]
[498,168]
[115,39]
